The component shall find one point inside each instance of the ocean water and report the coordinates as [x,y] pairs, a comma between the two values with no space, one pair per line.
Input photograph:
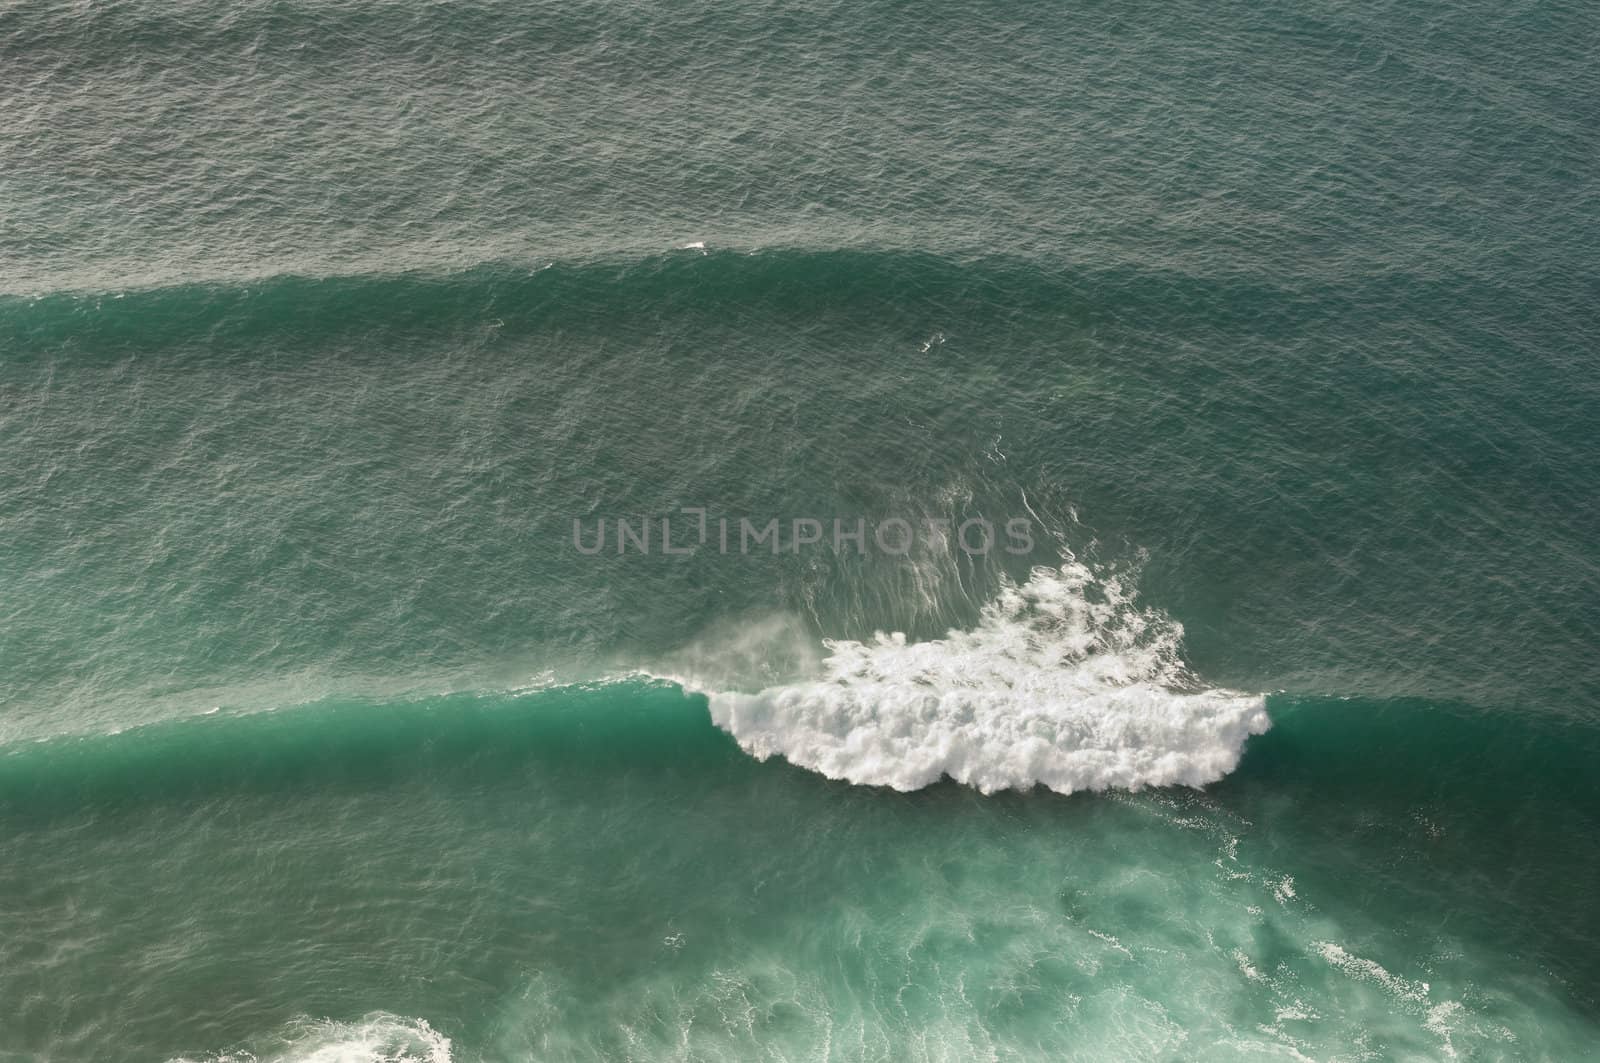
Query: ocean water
[334,332]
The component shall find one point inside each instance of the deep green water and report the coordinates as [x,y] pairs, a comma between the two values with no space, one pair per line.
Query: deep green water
[322,322]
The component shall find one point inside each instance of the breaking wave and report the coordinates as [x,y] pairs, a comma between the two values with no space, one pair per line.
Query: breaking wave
[1065,682]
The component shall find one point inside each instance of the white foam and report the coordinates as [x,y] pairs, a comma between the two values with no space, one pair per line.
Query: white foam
[376,1038]
[1359,967]
[1441,1021]
[1064,682]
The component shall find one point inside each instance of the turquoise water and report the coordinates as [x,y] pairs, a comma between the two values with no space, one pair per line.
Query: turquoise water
[322,324]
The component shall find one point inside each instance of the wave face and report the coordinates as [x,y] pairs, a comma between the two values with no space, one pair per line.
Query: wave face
[600,291]
[1064,683]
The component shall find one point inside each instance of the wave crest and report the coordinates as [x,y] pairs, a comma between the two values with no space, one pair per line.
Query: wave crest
[1064,682]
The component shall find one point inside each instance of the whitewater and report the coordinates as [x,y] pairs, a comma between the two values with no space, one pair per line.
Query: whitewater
[1065,682]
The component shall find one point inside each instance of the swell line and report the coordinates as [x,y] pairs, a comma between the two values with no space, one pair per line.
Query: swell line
[799,284]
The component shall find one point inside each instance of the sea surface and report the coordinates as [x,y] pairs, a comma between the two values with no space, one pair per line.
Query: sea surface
[341,719]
